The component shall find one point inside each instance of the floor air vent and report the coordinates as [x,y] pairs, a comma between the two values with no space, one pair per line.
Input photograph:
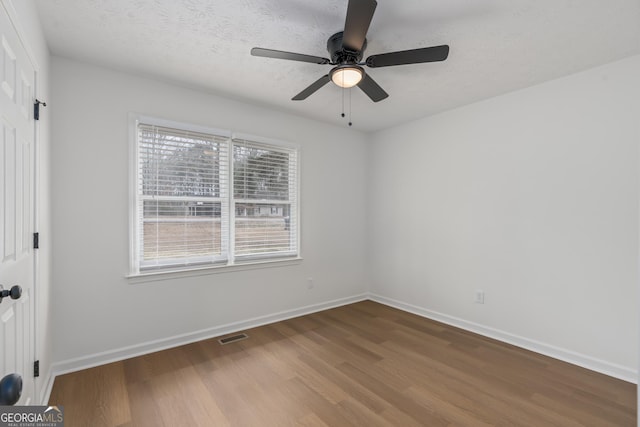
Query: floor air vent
[233,338]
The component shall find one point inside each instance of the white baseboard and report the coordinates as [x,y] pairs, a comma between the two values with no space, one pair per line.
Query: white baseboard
[604,367]
[97,359]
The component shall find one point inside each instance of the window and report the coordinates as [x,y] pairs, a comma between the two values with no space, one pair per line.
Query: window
[203,198]
[264,198]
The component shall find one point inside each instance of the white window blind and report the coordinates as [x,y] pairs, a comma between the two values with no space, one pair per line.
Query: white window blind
[182,194]
[203,198]
[265,198]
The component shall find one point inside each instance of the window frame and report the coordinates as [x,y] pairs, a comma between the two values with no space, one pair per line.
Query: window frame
[232,261]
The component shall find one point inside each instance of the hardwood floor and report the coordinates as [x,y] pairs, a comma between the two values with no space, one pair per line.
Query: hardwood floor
[364,364]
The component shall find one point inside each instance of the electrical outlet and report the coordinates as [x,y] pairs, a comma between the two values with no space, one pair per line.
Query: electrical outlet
[479,296]
[310,284]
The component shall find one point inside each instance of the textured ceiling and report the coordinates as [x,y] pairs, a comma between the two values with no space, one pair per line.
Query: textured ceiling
[496,46]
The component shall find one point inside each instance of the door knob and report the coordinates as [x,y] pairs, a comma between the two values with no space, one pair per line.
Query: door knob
[10,389]
[15,292]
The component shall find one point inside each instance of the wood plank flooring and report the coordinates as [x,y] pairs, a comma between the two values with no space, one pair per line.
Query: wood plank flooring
[364,364]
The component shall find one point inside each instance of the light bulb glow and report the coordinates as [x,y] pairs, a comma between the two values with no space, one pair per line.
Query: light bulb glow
[347,77]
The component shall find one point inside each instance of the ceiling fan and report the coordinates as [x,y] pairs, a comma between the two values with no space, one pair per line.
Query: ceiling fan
[346,49]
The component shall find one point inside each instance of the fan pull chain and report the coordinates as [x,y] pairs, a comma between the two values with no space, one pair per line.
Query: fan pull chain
[342,115]
[350,123]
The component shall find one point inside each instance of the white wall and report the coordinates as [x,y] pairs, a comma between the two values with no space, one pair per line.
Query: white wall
[96,308]
[531,197]
[31,30]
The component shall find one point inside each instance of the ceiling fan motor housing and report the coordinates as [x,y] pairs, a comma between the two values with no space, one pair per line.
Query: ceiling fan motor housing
[341,55]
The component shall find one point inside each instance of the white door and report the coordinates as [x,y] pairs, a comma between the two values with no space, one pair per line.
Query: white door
[16,207]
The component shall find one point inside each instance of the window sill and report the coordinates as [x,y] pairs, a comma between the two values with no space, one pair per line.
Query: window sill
[154,276]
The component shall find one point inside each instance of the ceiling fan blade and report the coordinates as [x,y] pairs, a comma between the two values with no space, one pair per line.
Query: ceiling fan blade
[359,16]
[413,56]
[279,54]
[312,88]
[372,89]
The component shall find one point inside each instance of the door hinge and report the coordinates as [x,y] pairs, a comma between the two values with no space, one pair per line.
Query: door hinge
[36,240]
[36,368]
[36,109]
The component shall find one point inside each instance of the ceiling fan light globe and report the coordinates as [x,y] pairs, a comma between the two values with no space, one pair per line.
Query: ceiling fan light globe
[347,77]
